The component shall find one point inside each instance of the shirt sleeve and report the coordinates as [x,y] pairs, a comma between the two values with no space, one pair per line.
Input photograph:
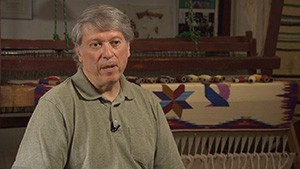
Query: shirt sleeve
[167,154]
[44,144]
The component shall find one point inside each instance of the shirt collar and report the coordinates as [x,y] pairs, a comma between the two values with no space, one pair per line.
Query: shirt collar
[88,91]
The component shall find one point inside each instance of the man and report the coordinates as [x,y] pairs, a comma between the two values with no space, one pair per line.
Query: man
[96,119]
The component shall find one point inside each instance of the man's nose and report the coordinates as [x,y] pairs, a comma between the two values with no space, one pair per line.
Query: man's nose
[107,51]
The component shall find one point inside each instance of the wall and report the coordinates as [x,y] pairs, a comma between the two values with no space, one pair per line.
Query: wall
[251,15]
[41,26]
[246,15]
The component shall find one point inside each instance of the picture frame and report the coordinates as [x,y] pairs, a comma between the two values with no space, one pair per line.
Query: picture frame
[205,16]
[16,9]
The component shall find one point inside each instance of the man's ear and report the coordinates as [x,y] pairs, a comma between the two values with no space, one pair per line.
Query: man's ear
[129,53]
[78,52]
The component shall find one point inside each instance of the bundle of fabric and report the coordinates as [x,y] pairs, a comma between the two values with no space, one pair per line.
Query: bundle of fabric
[16,98]
[21,96]
[44,85]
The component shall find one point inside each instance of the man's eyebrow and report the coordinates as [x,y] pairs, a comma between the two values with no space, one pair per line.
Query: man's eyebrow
[117,37]
[94,39]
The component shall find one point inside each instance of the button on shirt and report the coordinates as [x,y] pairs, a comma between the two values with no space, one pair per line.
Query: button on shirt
[74,127]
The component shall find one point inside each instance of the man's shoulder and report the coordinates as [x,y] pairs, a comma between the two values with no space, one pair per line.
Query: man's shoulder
[62,90]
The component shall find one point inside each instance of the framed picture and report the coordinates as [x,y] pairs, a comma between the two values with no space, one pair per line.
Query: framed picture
[16,9]
[205,19]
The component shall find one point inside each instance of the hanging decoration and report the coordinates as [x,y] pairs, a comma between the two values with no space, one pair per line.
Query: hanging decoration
[191,22]
[55,35]
[66,34]
[67,37]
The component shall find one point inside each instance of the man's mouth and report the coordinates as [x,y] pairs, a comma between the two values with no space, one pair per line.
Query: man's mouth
[108,66]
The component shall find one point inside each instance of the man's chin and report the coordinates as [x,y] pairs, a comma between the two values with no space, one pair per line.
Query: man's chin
[112,78]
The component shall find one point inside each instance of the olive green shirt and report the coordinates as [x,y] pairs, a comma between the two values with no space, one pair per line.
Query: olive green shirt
[71,129]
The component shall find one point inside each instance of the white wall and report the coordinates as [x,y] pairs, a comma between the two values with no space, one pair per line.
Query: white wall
[251,15]
[42,24]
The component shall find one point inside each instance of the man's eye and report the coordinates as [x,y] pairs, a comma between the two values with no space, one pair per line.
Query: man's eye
[115,43]
[95,45]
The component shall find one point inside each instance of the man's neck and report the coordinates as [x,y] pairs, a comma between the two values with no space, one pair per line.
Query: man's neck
[110,92]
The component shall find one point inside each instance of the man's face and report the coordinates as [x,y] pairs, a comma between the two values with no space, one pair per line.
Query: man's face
[103,55]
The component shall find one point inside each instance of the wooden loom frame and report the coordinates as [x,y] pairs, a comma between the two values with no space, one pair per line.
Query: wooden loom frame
[266,63]
[215,45]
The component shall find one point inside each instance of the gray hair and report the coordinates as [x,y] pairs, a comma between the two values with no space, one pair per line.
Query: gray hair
[104,18]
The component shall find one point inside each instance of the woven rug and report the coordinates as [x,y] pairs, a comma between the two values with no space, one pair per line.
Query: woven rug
[227,106]
[288,45]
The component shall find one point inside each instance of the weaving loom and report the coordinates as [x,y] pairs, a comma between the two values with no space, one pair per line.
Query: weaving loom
[209,143]
[205,148]
[33,59]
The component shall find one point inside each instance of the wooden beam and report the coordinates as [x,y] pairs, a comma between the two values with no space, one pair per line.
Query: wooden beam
[273,31]
[0,45]
[224,17]
[13,122]
[273,28]
[38,64]
[25,44]
[201,63]
[146,63]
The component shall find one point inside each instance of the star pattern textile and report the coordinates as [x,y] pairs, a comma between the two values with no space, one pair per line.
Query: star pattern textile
[174,100]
